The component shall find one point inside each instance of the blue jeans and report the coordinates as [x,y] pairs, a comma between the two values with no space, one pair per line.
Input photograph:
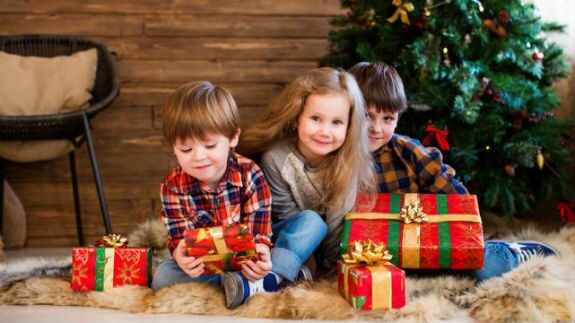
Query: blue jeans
[169,273]
[295,239]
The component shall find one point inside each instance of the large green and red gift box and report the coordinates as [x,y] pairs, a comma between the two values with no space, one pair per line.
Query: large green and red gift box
[223,248]
[371,287]
[101,269]
[421,230]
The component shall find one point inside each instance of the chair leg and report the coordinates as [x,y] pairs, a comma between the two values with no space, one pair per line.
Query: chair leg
[1,195]
[96,172]
[77,210]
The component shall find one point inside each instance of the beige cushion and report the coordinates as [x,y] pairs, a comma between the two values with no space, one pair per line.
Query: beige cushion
[38,86]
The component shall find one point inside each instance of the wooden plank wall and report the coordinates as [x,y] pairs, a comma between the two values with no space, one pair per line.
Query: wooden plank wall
[251,47]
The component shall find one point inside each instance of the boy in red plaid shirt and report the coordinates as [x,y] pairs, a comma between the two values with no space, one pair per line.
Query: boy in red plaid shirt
[212,186]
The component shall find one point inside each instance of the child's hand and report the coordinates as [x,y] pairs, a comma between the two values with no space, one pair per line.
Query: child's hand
[192,266]
[254,270]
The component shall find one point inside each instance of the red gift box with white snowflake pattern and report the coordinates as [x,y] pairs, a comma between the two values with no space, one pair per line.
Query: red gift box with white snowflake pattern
[101,269]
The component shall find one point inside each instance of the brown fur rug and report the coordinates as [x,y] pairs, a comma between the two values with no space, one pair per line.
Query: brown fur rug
[540,290]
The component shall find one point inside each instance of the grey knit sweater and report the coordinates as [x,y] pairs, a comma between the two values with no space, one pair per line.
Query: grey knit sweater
[295,187]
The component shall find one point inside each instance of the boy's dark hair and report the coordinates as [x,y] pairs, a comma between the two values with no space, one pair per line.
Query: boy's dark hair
[381,86]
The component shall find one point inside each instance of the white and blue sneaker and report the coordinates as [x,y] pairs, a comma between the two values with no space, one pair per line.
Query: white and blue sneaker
[503,256]
[239,289]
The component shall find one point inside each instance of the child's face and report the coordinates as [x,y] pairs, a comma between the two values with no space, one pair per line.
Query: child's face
[381,126]
[205,159]
[322,125]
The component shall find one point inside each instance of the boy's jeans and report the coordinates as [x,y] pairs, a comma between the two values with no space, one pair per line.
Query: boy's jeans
[295,240]
[169,273]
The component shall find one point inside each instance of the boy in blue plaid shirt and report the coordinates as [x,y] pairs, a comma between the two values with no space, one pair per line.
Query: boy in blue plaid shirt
[212,186]
[404,165]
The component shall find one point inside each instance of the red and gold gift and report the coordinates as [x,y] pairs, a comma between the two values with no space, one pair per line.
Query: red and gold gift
[110,264]
[421,230]
[223,248]
[368,281]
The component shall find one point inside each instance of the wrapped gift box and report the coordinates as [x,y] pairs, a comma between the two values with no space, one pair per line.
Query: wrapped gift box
[421,230]
[371,287]
[223,248]
[101,269]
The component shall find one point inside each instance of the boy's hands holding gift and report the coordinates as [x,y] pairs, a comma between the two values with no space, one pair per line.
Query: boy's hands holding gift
[192,266]
[258,269]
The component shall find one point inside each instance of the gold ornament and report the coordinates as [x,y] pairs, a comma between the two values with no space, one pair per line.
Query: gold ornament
[401,12]
[413,213]
[367,253]
[540,160]
[112,241]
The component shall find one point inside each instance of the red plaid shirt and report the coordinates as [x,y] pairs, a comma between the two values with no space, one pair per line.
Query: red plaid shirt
[242,196]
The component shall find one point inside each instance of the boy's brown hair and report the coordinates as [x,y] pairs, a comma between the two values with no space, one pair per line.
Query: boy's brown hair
[197,109]
[381,86]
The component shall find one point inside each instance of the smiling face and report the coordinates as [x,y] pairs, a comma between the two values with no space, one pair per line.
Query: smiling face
[381,127]
[205,159]
[322,125]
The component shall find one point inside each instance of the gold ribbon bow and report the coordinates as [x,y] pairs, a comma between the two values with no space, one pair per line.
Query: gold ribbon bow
[401,11]
[367,253]
[112,241]
[413,212]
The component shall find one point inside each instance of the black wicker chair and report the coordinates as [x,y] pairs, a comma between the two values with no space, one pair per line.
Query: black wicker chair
[71,125]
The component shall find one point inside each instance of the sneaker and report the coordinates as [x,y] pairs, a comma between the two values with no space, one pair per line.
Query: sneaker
[502,256]
[524,250]
[304,274]
[239,289]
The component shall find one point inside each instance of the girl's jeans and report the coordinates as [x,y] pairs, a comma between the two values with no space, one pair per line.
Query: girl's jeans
[295,239]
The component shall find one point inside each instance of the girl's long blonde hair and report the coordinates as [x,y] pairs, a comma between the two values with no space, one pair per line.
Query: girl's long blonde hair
[344,172]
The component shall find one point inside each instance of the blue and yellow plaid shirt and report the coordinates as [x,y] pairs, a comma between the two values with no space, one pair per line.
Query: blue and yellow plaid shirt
[243,196]
[404,165]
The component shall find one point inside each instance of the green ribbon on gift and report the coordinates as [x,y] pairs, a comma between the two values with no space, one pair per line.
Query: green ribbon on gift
[104,269]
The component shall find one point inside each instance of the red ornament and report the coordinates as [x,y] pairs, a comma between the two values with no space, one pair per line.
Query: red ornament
[567,211]
[538,55]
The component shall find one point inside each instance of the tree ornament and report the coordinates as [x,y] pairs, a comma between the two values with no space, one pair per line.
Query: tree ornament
[440,136]
[518,117]
[537,55]
[403,7]
[510,170]
[495,27]
[567,211]
[540,160]
[503,18]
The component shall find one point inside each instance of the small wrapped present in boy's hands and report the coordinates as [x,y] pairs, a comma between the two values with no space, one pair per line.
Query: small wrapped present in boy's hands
[223,248]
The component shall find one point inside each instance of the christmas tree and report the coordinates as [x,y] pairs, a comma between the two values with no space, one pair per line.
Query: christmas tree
[477,75]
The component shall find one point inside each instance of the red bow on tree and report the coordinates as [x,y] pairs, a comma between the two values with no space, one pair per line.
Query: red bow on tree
[440,136]
[566,211]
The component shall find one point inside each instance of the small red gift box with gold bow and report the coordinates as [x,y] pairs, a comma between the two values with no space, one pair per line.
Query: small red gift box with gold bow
[223,248]
[368,281]
[421,230]
[110,264]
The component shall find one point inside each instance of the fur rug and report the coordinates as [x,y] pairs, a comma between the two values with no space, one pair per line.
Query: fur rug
[540,290]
